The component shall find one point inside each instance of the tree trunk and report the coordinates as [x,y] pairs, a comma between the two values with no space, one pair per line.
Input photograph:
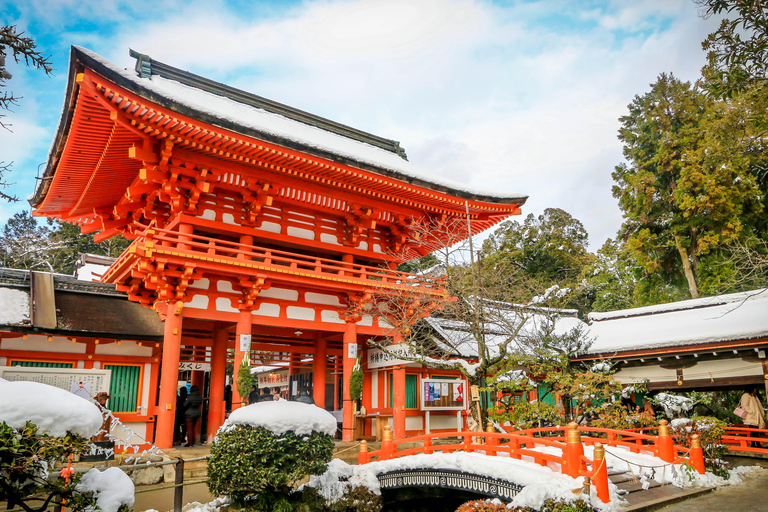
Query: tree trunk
[687,267]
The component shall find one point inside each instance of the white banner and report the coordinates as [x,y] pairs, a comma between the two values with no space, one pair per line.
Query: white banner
[272,379]
[202,367]
[245,342]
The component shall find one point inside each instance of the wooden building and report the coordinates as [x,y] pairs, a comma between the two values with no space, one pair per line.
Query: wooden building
[258,229]
[704,344]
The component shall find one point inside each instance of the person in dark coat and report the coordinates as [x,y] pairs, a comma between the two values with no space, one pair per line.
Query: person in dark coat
[266,396]
[253,396]
[228,398]
[180,422]
[304,396]
[192,413]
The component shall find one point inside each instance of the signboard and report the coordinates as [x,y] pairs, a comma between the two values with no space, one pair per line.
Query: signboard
[202,367]
[272,379]
[352,350]
[377,358]
[69,379]
[245,342]
[443,395]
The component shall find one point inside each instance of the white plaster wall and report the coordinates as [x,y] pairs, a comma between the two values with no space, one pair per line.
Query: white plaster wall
[297,313]
[144,402]
[199,301]
[201,284]
[322,298]
[126,348]
[225,305]
[272,227]
[375,389]
[209,215]
[280,293]
[267,309]
[228,218]
[306,234]
[366,320]
[442,421]
[331,316]
[414,423]
[41,344]
[329,238]
[224,286]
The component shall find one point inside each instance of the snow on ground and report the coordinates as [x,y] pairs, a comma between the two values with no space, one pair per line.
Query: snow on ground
[283,416]
[53,410]
[112,487]
[14,307]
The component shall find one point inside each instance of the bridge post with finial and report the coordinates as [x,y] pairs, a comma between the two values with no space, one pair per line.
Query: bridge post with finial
[665,447]
[363,457]
[600,474]
[696,454]
[491,442]
[387,443]
[573,451]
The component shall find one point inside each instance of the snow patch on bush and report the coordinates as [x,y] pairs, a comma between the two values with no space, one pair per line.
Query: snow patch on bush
[283,416]
[113,488]
[54,411]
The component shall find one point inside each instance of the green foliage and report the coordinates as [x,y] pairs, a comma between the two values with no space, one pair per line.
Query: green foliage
[245,380]
[356,382]
[419,264]
[358,499]
[258,468]
[609,279]
[579,505]
[27,477]
[710,431]
[686,191]
[616,416]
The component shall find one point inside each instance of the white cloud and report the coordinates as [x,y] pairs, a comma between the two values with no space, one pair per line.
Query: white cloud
[524,98]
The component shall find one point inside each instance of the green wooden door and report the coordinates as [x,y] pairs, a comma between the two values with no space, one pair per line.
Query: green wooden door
[123,387]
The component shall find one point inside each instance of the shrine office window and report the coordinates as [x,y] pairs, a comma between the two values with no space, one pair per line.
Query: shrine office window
[123,387]
[41,364]
[411,391]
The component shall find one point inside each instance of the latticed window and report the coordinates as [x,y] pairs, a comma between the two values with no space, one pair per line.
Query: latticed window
[123,387]
[41,364]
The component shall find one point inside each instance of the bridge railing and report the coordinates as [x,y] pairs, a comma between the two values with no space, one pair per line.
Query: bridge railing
[568,440]
[741,438]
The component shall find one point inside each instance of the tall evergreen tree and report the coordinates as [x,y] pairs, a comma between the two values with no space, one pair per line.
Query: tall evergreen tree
[27,245]
[683,194]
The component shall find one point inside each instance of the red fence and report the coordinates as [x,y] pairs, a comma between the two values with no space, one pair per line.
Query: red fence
[740,439]
[568,439]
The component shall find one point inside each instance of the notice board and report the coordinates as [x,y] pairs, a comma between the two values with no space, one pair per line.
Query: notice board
[443,394]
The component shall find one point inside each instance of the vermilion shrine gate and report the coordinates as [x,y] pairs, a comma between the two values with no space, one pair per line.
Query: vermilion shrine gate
[247,217]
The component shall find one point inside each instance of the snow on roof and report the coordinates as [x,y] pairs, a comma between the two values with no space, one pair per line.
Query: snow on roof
[727,317]
[14,307]
[53,410]
[90,272]
[289,129]
[284,416]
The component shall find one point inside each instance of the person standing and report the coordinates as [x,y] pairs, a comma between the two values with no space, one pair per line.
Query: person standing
[192,413]
[253,396]
[755,418]
[179,424]
[266,395]
[304,396]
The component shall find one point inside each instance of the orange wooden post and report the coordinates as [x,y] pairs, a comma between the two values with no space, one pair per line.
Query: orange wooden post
[600,474]
[243,328]
[490,442]
[348,363]
[665,447]
[428,446]
[362,456]
[514,447]
[169,380]
[218,370]
[467,442]
[573,451]
[387,444]
[398,399]
[696,454]
[319,370]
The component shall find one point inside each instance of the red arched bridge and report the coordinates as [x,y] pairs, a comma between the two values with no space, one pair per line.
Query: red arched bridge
[569,441]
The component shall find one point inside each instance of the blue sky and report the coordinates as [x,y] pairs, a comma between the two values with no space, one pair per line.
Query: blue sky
[518,96]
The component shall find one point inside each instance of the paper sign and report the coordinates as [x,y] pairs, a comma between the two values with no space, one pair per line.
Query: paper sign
[458,392]
[444,389]
[352,350]
[245,342]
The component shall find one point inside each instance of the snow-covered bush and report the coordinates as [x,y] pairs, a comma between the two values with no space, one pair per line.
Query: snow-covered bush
[710,432]
[264,449]
[674,405]
[358,499]
[547,506]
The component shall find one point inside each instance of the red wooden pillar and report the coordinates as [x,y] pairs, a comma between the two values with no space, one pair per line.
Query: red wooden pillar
[243,327]
[319,369]
[198,379]
[170,377]
[398,401]
[218,379]
[350,338]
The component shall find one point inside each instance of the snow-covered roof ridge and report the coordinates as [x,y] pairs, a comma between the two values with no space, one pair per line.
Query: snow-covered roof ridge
[737,316]
[226,112]
[703,302]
